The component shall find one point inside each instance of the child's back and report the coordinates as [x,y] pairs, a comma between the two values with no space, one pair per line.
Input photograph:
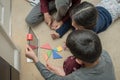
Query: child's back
[85,45]
[102,71]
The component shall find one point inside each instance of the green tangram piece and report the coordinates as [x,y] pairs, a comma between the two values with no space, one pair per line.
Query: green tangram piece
[49,53]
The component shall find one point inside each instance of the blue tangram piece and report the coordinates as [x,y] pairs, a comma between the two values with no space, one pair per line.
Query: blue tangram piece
[56,55]
[55,49]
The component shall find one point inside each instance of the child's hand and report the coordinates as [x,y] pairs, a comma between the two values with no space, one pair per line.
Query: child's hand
[30,54]
[56,25]
[54,69]
[48,19]
[55,35]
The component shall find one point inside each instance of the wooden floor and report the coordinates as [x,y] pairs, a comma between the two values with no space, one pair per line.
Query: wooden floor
[20,8]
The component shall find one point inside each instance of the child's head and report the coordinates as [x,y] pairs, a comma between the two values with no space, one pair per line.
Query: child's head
[85,45]
[84,15]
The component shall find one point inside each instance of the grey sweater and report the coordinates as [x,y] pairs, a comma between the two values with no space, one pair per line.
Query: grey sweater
[62,8]
[102,71]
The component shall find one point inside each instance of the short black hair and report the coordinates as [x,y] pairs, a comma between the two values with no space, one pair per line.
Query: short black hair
[84,14]
[84,45]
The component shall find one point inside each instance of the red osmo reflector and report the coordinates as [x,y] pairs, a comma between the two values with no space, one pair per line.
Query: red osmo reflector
[29,37]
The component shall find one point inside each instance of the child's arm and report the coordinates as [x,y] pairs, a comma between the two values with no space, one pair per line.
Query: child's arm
[45,10]
[55,25]
[48,75]
[62,29]
[44,6]
[63,8]
[74,3]
[55,69]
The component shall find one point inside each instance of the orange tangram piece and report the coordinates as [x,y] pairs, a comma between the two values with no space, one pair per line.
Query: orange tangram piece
[46,46]
[45,57]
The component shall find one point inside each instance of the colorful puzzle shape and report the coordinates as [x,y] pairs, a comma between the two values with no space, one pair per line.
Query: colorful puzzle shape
[49,53]
[56,55]
[46,46]
[33,47]
[55,49]
[59,48]
[45,57]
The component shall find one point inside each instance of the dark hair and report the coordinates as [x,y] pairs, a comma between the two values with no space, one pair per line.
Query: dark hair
[84,14]
[84,45]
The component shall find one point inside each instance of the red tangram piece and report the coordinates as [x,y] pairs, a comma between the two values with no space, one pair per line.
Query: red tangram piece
[46,46]
[29,37]
[33,47]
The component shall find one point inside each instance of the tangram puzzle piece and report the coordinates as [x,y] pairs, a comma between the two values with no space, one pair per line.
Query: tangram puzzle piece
[49,53]
[46,46]
[59,48]
[45,57]
[56,55]
[55,49]
[33,47]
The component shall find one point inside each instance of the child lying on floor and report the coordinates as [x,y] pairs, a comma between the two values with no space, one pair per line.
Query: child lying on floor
[86,16]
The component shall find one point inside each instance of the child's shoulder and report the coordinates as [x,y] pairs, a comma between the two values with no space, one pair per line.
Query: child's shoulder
[106,56]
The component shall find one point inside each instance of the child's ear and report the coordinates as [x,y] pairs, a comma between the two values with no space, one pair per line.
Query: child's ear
[79,61]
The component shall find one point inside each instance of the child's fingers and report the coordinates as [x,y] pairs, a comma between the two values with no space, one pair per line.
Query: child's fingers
[50,22]
[29,48]
[49,67]
[47,64]
[26,49]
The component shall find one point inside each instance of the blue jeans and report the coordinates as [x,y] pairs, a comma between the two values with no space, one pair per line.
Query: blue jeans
[65,27]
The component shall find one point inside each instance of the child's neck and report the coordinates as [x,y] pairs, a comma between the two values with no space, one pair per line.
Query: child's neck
[89,65]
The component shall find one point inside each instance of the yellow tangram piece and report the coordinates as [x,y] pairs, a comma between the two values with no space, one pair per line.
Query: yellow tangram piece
[59,48]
